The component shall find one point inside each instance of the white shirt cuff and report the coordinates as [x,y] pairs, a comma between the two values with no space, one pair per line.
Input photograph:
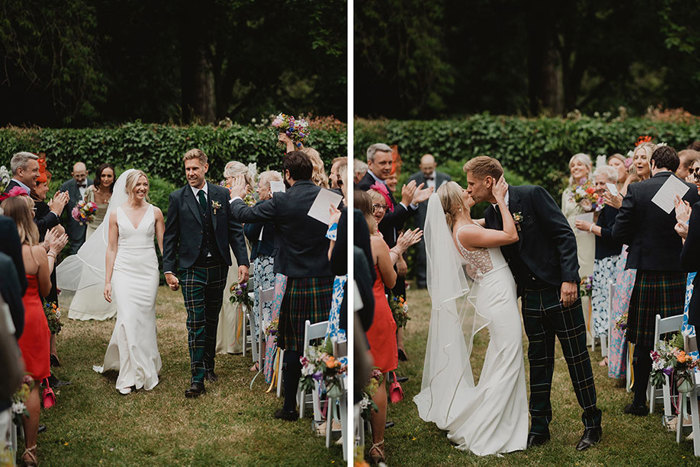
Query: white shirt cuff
[234,199]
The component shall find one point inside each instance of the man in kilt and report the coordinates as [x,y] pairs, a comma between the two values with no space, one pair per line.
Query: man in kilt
[301,255]
[654,251]
[545,266]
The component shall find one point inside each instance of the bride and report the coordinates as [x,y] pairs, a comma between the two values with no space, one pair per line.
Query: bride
[131,281]
[491,416]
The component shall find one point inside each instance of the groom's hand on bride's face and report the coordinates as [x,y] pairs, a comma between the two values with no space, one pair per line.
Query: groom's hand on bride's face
[238,188]
[172,281]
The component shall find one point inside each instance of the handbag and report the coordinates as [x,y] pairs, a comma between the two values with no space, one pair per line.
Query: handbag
[48,398]
[395,391]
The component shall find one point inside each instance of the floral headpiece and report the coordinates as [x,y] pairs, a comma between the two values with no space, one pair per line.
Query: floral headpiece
[643,139]
[384,191]
[44,175]
[296,129]
[15,191]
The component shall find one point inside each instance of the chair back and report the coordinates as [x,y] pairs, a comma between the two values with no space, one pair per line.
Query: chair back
[266,295]
[666,325]
[314,331]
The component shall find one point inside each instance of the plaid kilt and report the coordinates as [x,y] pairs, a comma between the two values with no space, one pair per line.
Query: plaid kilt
[655,293]
[305,298]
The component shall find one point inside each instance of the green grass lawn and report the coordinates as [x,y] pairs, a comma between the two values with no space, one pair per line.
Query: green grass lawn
[230,425]
[627,439]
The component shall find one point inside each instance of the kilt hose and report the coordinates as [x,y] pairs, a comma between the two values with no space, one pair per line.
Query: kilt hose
[305,298]
[544,318]
[203,291]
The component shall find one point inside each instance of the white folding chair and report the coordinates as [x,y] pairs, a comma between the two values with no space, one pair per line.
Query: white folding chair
[247,337]
[690,398]
[311,332]
[339,350]
[663,326]
[280,373]
[266,296]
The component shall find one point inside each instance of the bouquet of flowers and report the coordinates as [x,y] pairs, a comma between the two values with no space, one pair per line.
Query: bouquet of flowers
[670,360]
[271,329]
[321,365]
[296,129]
[5,177]
[399,308]
[250,199]
[53,316]
[84,211]
[586,286]
[621,322]
[239,294]
[367,405]
[19,398]
[585,196]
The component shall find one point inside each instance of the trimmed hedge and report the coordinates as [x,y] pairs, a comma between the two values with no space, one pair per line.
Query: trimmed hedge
[158,149]
[537,149]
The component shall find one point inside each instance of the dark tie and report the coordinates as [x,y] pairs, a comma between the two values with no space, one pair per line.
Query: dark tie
[82,186]
[430,178]
[202,200]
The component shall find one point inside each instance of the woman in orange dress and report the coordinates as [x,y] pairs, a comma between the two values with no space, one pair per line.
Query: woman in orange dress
[35,340]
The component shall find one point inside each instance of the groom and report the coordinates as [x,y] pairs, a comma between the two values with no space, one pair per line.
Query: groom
[545,267]
[198,232]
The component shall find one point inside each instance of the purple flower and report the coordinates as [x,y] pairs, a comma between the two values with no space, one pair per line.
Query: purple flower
[667,371]
[318,376]
[238,292]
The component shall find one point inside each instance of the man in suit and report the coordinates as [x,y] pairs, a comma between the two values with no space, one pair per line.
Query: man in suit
[75,187]
[25,170]
[302,257]
[198,233]
[654,251]
[430,178]
[545,267]
[690,261]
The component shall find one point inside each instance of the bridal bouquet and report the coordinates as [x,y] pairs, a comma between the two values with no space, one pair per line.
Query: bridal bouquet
[239,294]
[670,360]
[585,197]
[296,129]
[53,316]
[5,177]
[84,211]
[399,308]
[320,365]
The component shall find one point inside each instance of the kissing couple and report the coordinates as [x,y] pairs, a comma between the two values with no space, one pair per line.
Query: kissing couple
[524,239]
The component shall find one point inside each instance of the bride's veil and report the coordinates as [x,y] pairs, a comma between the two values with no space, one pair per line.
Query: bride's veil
[87,267]
[447,374]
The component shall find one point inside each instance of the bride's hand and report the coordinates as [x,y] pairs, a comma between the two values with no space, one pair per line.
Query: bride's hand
[499,189]
[108,292]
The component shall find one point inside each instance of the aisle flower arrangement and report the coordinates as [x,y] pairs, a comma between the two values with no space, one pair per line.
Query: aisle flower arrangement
[399,308]
[321,366]
[669,359]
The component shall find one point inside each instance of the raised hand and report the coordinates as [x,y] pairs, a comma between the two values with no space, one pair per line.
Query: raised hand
[612,200]
[422,194]
[59,202]
[407,192]
[335,215]
[407,239]
[499,189]
[239,187]
[682,209]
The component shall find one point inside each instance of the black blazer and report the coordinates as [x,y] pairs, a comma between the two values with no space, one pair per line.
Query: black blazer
[547,245]
[419,177]
[266,246]
[653,243]
[44,218]
[182,240]
[392,221]
[606,245]
[11,185]
[10,245]
[302,239]
[690,261]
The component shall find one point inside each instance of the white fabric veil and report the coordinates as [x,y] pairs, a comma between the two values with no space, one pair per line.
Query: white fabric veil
[87,267]
[447,373]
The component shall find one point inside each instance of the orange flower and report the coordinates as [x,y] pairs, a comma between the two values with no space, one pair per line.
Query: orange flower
[682,357]
[331,362]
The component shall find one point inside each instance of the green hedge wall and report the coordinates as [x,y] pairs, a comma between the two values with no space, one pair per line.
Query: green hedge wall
[158,149]
[536,149]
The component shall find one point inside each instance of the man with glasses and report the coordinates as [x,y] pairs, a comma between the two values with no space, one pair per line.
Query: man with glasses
[687,159]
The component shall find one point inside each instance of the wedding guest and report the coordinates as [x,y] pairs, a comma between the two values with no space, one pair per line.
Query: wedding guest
[261,236]
[25,171]
[690,261]
[76,188]
[303,259]
[695,145]
[100,193]
[337,255]
[34,342]
[47,215]
[694,174]
[619,162]
[431,178]
[10,245]
[229,333]
[607,256]
[687,158]
[318,176]
[359,171]
[335,167]
[655,249]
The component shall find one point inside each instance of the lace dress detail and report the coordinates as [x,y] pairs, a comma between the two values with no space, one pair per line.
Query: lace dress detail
[478,262]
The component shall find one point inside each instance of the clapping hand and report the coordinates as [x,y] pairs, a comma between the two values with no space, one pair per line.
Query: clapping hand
[682,209]
[421,194]
[407,239]
[239,187]
[499,189]
[59,202]
[612,200]
[55,240]
[334,215]
[407,192]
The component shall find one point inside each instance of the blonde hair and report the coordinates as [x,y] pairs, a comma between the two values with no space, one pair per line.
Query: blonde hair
[318,175]
[586,159]
[484,166]
[234,168]
[132,179]
[268,176]
[363,201]
[19,208]
[195,154]
[450,195]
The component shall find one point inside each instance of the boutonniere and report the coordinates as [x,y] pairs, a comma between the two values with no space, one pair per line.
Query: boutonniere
[215,206]
[517,218]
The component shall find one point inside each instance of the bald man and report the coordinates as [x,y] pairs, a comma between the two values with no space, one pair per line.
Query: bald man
[76,190]
[431,178]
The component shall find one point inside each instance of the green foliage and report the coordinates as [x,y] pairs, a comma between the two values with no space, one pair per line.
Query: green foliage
[536,149]
[158,149]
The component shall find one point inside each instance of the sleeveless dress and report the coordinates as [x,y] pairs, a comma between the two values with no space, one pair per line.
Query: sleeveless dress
[382,333]
[133,349]
[98,216]
[490,417]
[35,339]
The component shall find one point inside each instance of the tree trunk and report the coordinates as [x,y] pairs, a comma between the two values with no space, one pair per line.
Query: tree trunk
[198,91]
[544,63]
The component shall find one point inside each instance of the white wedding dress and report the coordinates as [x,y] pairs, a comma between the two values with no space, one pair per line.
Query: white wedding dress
[490,417]
[133,349]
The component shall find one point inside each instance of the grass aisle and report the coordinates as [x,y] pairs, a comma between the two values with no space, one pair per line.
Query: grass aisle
[230,425]
[627,440]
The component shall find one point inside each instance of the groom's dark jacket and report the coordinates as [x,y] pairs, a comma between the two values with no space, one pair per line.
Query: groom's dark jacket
[546,249]
[184,229]
[303,246]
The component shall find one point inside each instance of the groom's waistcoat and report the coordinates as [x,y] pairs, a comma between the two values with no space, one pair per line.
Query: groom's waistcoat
[208,246]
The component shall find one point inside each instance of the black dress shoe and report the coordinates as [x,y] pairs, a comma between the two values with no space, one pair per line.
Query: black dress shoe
[195,390]
[402,355]
[211,376]
[389,425]
[590,437]
[639,410]
[534,439]
[42,428]
[290,416]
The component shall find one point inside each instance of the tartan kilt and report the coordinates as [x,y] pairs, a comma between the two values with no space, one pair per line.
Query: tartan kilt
[654,293]
[305,298]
